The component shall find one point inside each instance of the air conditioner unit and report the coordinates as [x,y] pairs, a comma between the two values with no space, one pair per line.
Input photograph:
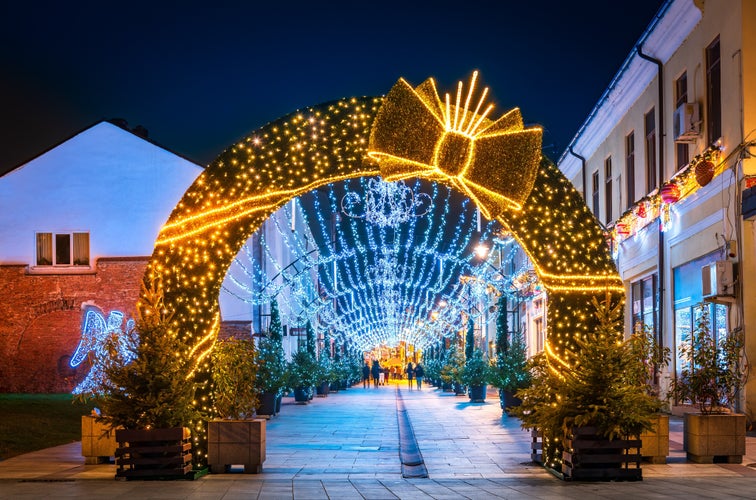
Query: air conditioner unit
[717,280]
[686,122]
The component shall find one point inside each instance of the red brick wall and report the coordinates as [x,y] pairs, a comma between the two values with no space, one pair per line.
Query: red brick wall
[41,316]
[238,329]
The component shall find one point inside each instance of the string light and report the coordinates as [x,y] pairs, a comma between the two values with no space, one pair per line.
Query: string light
[97,336]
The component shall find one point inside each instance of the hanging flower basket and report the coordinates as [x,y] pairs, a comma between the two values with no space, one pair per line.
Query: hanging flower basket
[669,192]
[704,172]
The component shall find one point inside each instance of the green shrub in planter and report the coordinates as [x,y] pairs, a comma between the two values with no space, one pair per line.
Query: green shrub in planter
[234,370]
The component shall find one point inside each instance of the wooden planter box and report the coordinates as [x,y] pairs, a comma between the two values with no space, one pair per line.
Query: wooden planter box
[536,446]
[153,453]
[714,438]
[236,442]
[588,457]
[655,443]
[98,441]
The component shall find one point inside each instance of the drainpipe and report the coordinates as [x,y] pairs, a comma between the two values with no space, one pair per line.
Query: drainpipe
[660,265]
[582,171]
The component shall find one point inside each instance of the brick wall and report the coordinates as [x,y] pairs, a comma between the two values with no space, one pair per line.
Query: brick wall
[41,316]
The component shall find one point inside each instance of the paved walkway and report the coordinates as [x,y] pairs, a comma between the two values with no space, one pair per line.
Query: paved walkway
[346,446]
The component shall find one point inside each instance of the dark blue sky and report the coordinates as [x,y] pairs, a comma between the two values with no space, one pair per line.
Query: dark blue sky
[201,75]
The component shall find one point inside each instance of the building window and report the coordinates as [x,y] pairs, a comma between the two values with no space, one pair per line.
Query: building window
[539,333]
[630,166]
[62,249]
[644,302]
[681,97]
[713,92]
[686,319]
[650,129]
[688,294]
[596,194]
[608,193]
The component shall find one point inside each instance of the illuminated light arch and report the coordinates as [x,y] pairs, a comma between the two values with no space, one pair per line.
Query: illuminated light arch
[496,163]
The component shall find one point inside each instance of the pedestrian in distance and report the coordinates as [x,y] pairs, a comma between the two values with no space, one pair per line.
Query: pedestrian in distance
[376,372]
[419,374]
[410,371]
[366,375]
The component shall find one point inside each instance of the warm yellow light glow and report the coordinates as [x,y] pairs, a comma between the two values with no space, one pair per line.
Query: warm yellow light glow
[494,163]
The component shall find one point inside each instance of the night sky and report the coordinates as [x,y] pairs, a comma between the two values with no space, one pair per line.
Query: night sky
[201,75]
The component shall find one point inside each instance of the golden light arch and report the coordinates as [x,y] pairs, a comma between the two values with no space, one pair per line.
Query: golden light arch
[409,133]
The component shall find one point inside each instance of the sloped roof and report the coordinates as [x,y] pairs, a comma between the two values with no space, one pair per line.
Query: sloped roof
[137,131]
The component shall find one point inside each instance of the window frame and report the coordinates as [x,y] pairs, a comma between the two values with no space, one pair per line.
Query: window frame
[595,195]
[682,152]
[630,167]
[713,54]
[55,254]
[608,189]
[649,129]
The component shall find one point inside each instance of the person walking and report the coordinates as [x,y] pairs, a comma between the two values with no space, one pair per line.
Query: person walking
[382,376]
[376,371]
[410,374]
[366,375]
[419,374]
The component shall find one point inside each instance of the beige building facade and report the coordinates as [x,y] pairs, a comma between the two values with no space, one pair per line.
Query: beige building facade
[665,162]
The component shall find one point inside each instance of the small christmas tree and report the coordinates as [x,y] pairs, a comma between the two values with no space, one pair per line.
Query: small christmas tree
[470,338]
[601,391]
[502,326]
[310,340]
[276,330]
[154,389]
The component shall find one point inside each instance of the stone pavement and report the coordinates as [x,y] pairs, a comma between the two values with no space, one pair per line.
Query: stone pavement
[346,446]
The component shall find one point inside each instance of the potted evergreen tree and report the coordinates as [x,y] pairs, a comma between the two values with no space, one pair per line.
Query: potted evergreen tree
[451,371]
[590,417]
[149,393]
[301,375]
[476,375]
[325,367]
[271,372]
[235,437]
[711,380]
[510,372]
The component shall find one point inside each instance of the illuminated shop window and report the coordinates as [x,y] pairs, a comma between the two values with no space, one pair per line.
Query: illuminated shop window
[62,249]
[688,302]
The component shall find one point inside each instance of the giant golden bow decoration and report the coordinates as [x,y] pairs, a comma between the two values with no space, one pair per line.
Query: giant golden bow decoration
[492,162]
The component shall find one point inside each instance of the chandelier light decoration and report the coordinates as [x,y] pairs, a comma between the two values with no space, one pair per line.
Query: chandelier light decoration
[386,204]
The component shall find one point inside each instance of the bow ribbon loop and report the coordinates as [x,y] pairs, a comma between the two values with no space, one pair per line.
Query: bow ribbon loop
[492,162]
